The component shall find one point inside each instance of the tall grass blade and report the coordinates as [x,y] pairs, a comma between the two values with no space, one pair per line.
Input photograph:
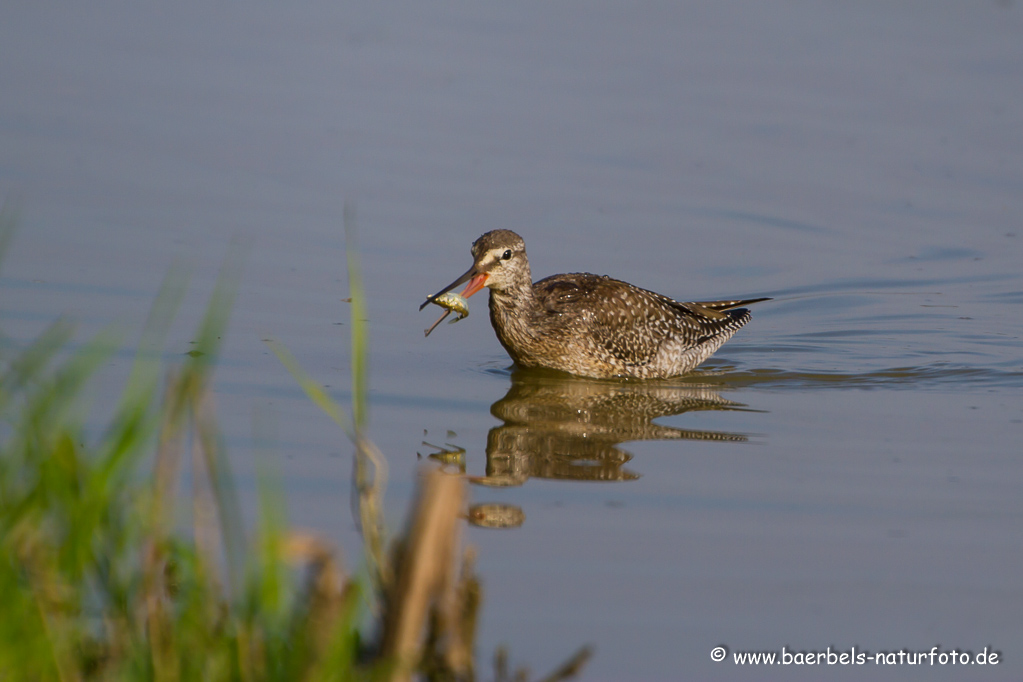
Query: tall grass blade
[145,371]
[29,364]
[313,390]
[360,356]
[370,466]
[208,449]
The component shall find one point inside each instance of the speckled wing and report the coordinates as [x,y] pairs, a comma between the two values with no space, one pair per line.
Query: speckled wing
[563,294]
[629,324]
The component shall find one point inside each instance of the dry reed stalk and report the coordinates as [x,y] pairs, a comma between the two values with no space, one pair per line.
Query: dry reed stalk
[425,570]
[470,600]
[326,596]
[50,593]
[205,521]
[370,481]
[154,564]
[447,653]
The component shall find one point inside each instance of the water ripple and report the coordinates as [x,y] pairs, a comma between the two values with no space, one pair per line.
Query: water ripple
[934,375]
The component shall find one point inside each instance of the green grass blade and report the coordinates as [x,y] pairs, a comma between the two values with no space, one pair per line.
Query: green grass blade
[360,355]
[313,390]
[196,374]
[31,362]
[214,323]
[145,371]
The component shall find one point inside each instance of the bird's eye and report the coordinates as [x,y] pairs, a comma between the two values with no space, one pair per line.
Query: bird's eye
[507,255]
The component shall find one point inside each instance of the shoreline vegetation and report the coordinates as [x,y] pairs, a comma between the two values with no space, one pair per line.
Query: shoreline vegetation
[100,580]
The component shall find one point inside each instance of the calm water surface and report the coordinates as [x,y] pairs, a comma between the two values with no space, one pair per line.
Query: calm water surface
[846,471]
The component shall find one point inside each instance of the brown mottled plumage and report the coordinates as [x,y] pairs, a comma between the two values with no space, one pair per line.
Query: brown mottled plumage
[592,325]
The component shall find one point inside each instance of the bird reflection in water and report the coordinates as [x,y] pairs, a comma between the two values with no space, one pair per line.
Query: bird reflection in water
[557,426]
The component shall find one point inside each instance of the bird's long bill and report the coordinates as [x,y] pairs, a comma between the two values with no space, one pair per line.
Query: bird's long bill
[478,280]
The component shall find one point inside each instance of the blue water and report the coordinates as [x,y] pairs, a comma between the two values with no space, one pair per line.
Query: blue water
[845,471]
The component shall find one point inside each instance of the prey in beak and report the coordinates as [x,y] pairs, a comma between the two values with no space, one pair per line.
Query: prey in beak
[477,280]
[455,302]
